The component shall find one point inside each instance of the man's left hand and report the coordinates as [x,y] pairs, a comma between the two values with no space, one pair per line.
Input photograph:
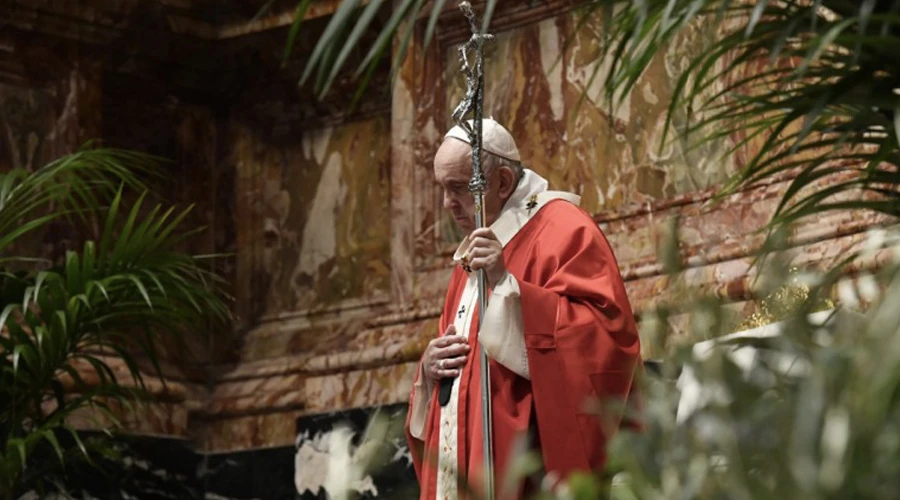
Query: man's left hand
[486,252]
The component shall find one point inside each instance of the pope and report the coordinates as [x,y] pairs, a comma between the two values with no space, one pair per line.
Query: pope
[558,330]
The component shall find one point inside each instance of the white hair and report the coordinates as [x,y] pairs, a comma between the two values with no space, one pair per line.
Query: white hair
[491,162]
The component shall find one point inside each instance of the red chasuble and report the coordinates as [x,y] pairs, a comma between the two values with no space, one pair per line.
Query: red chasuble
[581,343]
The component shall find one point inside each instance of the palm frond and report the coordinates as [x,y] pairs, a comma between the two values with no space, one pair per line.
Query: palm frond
[825,72]
[826,91]
[351,20]
[73,186]
[113,297]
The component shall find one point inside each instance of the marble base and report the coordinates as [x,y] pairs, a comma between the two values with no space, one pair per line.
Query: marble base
[263,473]
[328,454]
[155,468]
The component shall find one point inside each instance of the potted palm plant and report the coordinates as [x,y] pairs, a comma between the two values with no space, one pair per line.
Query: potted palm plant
[66,324]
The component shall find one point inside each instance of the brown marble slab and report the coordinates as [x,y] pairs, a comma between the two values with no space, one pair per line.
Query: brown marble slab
[155,419]
[315,225]
[248,432]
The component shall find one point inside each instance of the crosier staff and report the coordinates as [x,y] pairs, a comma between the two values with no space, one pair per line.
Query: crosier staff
[473,101]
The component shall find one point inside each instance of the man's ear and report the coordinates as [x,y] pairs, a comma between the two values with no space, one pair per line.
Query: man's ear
[507,182]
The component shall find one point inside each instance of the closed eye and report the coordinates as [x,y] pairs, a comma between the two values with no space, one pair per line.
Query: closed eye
[457,187]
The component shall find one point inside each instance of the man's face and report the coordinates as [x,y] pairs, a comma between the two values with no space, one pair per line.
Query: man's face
[453,171]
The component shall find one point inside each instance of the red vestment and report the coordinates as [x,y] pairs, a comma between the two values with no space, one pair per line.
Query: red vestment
[581,343]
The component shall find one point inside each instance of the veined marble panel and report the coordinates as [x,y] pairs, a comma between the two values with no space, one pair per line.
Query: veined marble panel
[271,426]
[316,218]
[41,121]
[153,419]
[27,118]
[273,429]
[552,101]
[329,459]
[356,376]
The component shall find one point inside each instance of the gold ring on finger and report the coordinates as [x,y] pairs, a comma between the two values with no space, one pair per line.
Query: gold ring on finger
[465,262]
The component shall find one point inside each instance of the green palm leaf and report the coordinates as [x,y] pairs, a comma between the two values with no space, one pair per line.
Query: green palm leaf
[839,92]
[108,303]
[72,186]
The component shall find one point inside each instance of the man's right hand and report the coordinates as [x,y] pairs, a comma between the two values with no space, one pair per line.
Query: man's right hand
[445,355]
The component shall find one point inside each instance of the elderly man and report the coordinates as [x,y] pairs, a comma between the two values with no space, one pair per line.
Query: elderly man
[558,329]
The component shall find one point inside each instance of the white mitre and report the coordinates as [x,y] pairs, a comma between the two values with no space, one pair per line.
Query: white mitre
[495,139]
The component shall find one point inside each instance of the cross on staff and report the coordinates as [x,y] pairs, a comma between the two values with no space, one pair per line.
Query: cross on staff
[473,102]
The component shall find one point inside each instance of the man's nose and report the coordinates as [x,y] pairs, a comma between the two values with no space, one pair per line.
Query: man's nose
[448,201]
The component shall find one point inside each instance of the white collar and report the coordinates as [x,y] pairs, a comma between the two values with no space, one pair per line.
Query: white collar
[529,197]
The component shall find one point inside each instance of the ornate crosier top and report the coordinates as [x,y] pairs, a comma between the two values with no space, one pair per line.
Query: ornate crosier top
[473,103]
[473,100]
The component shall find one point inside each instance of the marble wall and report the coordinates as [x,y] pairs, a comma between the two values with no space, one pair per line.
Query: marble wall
[44,118]
[545,81]
[27,118]
[613,160]
[348,294]
[337,248]
[316,216]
